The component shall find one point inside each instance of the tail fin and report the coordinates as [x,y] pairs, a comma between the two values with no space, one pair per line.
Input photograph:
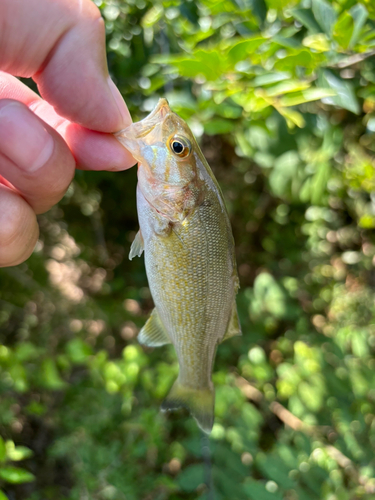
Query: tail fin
[199,402]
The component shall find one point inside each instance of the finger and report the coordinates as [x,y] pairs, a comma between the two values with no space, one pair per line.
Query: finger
[33,156]
[61,44]
[18,228]
[91,150]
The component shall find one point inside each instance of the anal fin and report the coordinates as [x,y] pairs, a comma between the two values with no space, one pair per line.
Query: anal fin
[234,327]
[153,334]
[137,246]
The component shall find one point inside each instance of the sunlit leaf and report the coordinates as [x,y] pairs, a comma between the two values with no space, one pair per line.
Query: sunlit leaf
[302,58]
[152,16]
[17,453]
[15,475]
[292,117]
[318,42]
[240,50]
[269,78]
[367,221]
[286,87]
[343,30]
[308,95]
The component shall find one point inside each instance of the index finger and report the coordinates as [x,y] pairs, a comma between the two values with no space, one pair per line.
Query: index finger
[61,45]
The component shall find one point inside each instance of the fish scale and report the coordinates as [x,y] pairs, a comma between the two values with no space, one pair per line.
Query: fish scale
[189,255]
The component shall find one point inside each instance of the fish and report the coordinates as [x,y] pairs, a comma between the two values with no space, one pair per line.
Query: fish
[186,237]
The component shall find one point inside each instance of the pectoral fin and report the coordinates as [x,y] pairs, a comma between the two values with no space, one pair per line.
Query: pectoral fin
[234,327]
[137,246]
[153,334]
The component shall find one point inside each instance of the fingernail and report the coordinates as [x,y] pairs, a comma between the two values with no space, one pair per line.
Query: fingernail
[124,112]
[23,139]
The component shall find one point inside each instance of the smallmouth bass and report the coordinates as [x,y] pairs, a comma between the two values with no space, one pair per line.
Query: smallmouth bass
[188,247]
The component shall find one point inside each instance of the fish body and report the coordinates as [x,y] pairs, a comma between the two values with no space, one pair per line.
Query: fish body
[189,255]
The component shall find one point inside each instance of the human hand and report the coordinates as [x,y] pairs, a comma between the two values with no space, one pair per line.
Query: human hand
[61,45]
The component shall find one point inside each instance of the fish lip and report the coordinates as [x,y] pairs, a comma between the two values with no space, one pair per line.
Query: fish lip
[162,108]
[130,135]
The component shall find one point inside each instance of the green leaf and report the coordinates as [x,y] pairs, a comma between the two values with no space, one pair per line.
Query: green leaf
[359,344]
[360,15]
[259,8]
[50,376]
[286,87]
[227,111]
[191,477]
[26,351]
[3,496]
[257,491]
[319,183]
[17,453]
[156,82]
[2,450]
[367,221]
[324,14]
[274,468]
[16,475]
[306,17]
[191,69]
[307,95]
[292,117]
[268,295]
[18,373]
[345,96]
[268,78]
[152,16]
[240,50]
[343,30]
[202,62]
[303,58]
[218,126]
[78,351]
[318,42]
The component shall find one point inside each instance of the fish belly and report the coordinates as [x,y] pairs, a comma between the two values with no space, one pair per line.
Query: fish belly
[190,274]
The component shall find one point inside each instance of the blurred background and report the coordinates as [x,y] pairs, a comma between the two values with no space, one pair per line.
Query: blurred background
[281,96]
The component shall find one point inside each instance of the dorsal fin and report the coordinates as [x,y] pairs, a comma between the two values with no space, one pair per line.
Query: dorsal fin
[153,334]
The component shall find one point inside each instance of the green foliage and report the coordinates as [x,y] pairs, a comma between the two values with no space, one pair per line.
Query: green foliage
[8,473]
[280,94]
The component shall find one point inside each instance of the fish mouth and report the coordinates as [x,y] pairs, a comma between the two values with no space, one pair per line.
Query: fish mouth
[129,136]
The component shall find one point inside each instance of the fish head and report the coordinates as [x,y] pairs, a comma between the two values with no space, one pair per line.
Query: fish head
[164,147]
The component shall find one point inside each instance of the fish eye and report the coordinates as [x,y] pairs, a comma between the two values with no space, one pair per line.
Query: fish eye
[180,147]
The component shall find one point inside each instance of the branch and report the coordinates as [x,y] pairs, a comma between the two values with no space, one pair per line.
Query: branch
[354,59]
[296,424]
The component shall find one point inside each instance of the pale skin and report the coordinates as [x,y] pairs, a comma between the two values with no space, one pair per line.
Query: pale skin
[61,45]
